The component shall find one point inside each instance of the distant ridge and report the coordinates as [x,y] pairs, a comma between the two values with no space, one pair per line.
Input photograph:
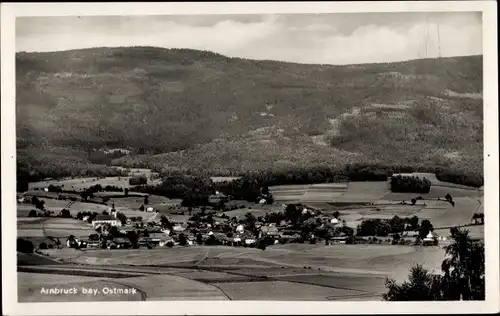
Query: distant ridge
[234,113]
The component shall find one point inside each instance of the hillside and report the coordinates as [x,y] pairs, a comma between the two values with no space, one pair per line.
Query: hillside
[200,110]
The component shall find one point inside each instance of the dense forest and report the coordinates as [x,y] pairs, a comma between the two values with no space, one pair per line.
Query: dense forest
[199,112]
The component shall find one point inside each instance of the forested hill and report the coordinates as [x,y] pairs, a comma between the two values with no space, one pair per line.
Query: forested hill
[226,112]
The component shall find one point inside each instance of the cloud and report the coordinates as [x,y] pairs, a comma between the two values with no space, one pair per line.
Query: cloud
[332,39]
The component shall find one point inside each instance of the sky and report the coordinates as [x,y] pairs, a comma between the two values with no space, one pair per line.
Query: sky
[340,38]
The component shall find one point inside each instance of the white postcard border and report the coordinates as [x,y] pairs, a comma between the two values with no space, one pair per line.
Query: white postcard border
[491,175]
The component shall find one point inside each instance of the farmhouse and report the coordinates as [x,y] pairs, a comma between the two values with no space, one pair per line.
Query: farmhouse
[179,228]
[339,240]
[217,198]
[165,240]
[270,230]
[250,241]
[105,219]
[334,221]
[430,239]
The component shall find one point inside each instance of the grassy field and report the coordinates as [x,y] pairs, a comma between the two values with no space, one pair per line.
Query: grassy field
[283,291]
[55,227]
[363,192]
[341,272]
[169,287]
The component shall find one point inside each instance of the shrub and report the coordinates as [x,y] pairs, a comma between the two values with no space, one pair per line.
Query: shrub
[112,188]
[65,213]
[25,246]
[410,184]
[42,245]
[182,240]
[33,213]
[138,180]
[54,188]
[374,227]
[170,244]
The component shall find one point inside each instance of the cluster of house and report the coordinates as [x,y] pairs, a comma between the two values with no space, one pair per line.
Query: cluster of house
[222,230]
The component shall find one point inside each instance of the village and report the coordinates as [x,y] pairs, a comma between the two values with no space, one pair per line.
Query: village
[209,225]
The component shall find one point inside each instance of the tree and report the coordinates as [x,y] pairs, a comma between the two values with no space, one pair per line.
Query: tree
[79,216]
[33,213]
[425,228]
[336,214]
[463,279]
[141,208]
[126,191]
[133,238]
[93,237]
[211,241]
[397,224]
[146,200]
[42,245]
[199,239]
[113,231]
[145,233]
[464,267]
[122,218]
[25,246]
[165,223]
[65,213]
[413,222]
[250,221]
[475,218]
[265,190]
[182,240]
[292,213]
[421,286]
[72,242]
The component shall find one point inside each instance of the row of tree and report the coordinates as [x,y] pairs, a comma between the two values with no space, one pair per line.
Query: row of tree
[396,225]
[469,179]
[410,184]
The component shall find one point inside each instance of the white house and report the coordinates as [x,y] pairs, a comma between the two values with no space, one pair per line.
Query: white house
[431,238]
[334,221]
[305,211]
[179,228]
[150,209]
[240,228]
[105,219]
[250,241]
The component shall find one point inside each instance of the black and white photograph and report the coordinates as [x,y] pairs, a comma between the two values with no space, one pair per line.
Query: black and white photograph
[273,155]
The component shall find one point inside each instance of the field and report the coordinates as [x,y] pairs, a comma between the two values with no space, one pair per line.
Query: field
[80,184]
[308,193]
[281,272]
[435,182]
[54,227]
